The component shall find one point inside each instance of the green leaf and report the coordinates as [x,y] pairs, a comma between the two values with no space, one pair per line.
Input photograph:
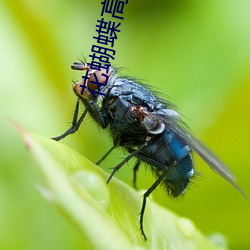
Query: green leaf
[106,215]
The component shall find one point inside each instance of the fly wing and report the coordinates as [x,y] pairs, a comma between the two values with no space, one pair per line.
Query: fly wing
[208,156]
[175,124]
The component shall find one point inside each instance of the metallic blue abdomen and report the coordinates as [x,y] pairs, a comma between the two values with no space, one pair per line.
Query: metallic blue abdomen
[170,154]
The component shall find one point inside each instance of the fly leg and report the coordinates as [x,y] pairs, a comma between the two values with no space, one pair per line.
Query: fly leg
[135,169]
[91,107]
[75,124]
[125,160]
[97,114]
[105,155]
[145,196]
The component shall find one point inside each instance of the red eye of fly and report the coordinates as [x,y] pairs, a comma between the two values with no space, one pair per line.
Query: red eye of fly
[101,76]
[96,78]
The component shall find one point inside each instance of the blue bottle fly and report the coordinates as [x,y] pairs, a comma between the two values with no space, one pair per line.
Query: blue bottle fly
[148,127]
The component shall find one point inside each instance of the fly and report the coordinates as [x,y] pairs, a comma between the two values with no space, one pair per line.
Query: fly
[149,128]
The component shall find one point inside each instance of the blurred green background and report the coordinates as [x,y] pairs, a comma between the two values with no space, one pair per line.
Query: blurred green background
[195,52]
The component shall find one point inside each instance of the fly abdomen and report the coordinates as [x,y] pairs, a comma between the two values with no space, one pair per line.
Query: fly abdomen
[178,176]
[177,147]
[180,166]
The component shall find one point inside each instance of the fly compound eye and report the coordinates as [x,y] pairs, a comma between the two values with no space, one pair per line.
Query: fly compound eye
[78,90]
[153,126]
[97,77]
[93,80]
